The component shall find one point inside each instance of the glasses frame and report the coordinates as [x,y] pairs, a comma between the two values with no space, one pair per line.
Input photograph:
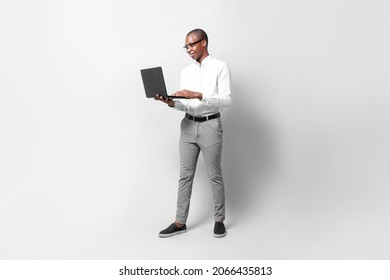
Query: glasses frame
[191,45]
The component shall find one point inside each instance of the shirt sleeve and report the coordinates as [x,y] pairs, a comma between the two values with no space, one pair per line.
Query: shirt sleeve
[222,98]
[179,106]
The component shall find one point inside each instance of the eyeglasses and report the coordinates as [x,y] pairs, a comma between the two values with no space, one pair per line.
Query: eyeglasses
[191,45]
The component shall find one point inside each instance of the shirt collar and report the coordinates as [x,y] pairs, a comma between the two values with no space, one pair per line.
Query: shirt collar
[205,61]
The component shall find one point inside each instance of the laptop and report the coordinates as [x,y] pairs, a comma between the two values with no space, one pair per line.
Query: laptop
[154,83]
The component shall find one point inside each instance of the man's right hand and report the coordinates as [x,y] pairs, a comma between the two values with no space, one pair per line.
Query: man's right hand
[167,101]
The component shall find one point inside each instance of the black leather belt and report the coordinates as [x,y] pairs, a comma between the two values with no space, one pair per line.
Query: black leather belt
[202,119]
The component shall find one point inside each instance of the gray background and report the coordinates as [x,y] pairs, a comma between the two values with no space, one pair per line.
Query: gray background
[89,166]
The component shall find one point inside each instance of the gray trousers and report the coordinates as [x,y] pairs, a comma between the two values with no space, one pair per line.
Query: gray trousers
[195,137]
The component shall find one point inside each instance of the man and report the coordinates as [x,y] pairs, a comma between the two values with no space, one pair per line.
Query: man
[206,85]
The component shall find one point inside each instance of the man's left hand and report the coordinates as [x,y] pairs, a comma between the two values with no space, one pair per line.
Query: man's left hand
[189,94]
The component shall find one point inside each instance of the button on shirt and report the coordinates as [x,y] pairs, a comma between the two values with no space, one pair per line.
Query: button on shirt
[212,79]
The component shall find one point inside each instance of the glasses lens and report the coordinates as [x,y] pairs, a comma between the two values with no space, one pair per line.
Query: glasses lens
[191,45]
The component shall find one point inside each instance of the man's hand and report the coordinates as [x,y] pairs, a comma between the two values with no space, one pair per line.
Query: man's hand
[189,94]
[167,101]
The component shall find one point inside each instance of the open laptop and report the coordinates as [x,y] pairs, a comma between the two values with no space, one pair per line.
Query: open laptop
[154,83]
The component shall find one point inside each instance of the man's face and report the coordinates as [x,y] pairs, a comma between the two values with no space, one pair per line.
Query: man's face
[195,46]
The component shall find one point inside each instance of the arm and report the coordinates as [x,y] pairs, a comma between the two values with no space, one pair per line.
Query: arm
[167,101]
[220,98]
[173,104]
[189,94]
[223,97]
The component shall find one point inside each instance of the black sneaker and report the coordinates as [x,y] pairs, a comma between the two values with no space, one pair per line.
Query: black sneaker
[172,230]
[219,229]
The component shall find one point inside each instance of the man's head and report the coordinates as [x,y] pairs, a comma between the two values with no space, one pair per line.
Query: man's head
[196,44]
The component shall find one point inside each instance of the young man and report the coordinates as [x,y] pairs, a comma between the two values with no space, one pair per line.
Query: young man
[206,85]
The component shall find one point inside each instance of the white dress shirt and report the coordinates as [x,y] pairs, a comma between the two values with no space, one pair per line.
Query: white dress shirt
[212,79]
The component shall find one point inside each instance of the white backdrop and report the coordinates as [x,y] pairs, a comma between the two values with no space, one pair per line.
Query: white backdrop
[89,166]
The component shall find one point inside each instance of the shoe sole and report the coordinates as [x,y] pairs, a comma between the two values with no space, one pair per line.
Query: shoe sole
[220,235]
[172,234]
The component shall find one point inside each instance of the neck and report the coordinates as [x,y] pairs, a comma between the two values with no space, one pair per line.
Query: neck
[199,60]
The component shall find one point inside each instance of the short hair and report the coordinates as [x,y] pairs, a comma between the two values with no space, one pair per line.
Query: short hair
[201,34]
